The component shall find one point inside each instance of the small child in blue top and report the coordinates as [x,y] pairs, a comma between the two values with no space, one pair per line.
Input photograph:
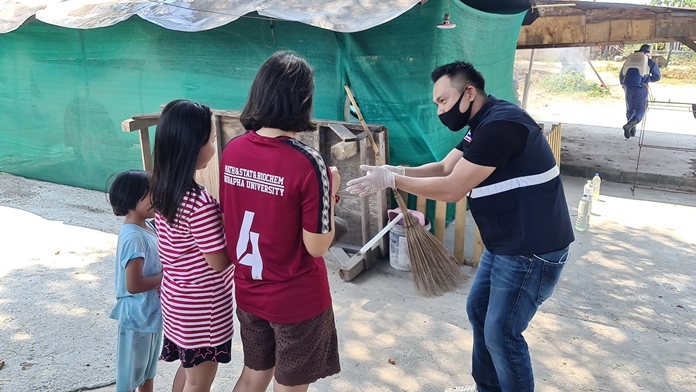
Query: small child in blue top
[138,276]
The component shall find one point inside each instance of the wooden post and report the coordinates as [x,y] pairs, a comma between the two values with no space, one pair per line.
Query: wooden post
[421,204]
[554,139]
[460,230]
[145,150]
[528,81]
[440,220]
[141,124]
[365,205]
[382,218]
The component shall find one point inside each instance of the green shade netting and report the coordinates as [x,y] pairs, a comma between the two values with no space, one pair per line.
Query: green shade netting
[65,92]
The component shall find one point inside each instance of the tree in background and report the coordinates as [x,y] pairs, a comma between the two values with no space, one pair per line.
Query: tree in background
[674,3]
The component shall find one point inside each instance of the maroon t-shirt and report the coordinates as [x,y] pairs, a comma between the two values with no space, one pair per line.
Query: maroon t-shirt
[271,189]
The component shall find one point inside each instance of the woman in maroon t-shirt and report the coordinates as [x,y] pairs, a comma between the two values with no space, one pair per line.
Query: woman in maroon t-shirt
[278,196]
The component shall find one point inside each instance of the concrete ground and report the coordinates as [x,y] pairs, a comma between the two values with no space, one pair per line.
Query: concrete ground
[593,139]
[622,318]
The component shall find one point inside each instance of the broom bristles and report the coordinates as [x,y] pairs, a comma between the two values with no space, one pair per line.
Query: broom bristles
[435,269]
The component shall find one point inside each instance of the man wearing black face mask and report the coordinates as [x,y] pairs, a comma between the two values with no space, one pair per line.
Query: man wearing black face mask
[515,193]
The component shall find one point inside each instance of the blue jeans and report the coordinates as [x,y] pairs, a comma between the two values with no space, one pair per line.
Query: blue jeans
[505,295]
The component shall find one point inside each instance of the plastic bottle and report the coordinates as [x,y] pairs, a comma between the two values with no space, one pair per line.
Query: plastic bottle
[596,183]
[588,190]
[583,219]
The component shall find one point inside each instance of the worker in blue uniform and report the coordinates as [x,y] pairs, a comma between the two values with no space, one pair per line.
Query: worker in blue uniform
[638,70]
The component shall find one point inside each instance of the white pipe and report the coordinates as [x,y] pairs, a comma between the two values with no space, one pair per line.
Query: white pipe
[381,234]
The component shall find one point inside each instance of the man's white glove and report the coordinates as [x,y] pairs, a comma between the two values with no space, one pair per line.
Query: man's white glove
[400,170]
[378,178]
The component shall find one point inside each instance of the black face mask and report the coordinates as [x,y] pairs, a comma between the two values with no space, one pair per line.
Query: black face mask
[453,118]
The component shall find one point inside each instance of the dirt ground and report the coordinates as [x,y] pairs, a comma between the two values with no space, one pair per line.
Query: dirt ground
[622,318]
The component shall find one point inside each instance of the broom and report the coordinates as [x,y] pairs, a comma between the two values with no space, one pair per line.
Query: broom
[435,269]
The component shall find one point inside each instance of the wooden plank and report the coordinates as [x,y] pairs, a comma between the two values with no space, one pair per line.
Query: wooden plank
[348,247]
[344,150]
[690,42]
[131,125]
[680,27]
[421,204]
[552,31]
[460,229]
[343,132]
[608,14]
[340,255]
[554,140]
[382,201]
[440,220]
[354,266]
[564,26]
[478,247]
[365,203]
[148,116]
[598,32]
[620,30]
[559,134]
[230,128]
[310,138]
[145,149]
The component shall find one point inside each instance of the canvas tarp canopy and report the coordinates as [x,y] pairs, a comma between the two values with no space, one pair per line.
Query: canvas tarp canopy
[345,16]
[198,15]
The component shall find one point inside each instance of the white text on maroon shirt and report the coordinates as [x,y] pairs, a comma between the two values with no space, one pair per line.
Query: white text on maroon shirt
[255,180]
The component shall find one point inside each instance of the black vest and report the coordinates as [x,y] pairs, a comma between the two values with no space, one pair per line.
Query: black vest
[520,208]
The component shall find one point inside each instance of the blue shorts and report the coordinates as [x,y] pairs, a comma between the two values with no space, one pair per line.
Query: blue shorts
[136,358]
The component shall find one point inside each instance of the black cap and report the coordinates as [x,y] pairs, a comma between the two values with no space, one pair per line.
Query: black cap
[644,48]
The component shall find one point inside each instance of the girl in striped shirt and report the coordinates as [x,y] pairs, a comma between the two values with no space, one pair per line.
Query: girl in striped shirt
[197,281]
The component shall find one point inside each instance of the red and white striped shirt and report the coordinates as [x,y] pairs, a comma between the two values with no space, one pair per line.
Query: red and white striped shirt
[196,300]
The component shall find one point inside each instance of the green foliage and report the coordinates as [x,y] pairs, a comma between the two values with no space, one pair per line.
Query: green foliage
[571,83]
[674,3]
[680,73]
[611,66]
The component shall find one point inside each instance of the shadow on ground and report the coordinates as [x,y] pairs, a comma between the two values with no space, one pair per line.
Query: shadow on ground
[622,318]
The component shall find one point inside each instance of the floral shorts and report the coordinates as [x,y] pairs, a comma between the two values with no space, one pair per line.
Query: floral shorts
[195,356]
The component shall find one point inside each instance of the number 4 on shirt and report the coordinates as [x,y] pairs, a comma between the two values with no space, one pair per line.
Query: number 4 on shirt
[252,259]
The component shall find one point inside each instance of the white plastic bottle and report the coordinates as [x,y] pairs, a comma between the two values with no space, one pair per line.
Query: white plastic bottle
[596,183]
[583,219]
[588,190]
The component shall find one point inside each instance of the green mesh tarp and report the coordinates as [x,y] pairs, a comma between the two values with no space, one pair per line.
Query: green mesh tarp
[65,92]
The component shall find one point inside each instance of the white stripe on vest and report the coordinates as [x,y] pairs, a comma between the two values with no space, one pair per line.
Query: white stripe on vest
[514,183]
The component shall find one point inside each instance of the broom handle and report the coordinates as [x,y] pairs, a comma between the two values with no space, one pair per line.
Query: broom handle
[378,157]
[399,200]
